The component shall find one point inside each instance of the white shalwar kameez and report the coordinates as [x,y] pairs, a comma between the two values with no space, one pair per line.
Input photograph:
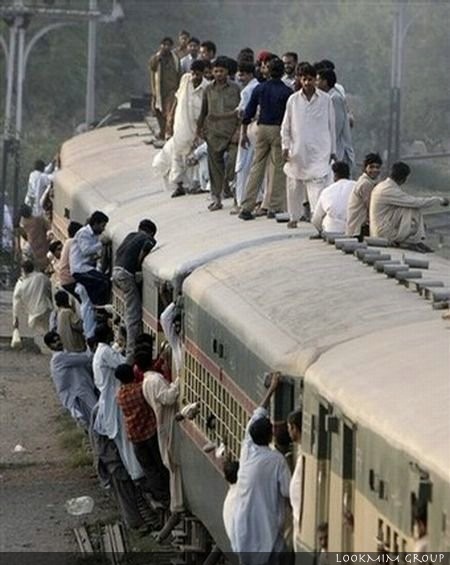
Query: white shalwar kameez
[37,183]
[109,420]
[308,132]
[296,498]
[33,294]
[187,112]
[163,398]
[330,214]
[262,490]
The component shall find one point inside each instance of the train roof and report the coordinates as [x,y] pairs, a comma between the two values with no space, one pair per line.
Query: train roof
[105,170]
[395,381]
[317,298]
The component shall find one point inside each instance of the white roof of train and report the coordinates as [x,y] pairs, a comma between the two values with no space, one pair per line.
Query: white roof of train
[372,346]
[115,174]
[397,382]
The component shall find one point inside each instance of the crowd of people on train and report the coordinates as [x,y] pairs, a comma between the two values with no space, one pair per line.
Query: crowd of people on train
[271,130]
[275,135]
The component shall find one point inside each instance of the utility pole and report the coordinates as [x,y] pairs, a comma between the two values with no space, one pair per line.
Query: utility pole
[92,55]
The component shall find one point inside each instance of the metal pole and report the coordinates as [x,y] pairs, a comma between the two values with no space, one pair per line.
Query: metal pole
[390,159]
[7,124]
[398,78]
[20,80]
[92,49]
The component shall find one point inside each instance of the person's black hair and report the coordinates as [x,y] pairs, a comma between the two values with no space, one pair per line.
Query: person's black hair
[327,64]
[208,64]
[198,65]
[144,338]
[400,171]
[53,246]
[306,70]
[148,226]
[143,360]
[246,55]
[276,68]
[39,165]
[323,527]
[184,32]
[98,217]
[372,159]
[25,211]
[295,418]
[246,67]
[124,373]
[209,45]
[291,54]
[61,298]
[50,337]
[28,266]
[341,169]
[232,66]
[222,62]
[73,227]
[195,40]
[166,40]
[329,75]
[261,431]
[230,471]
[103,334]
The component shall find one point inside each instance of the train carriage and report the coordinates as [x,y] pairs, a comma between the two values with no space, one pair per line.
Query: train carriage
[257,298]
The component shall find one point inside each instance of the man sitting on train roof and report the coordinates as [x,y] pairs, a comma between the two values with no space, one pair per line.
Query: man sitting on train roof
[127,276]
[359,201]
[262,490]
[86,249]
[398,216]
[330,214]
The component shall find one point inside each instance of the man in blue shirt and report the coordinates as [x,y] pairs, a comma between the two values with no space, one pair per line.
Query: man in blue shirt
[271,98]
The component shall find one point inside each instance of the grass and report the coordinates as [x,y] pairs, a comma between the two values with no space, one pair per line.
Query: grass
[74,440]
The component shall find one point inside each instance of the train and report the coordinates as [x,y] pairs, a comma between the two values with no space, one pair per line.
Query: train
[365,355]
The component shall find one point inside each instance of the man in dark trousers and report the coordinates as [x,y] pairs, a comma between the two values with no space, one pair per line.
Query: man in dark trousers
[271,98]
[127,274]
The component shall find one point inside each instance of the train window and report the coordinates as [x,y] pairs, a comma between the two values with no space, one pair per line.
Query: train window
[395,546]
[387,539]
[372,479]
[67,213]
[444,522]
[404,546]
[215,399]
[382,490]
[380,534]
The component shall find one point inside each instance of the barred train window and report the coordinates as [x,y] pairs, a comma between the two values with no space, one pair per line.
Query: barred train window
[231,417]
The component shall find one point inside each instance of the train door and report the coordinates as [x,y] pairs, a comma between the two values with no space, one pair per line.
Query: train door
[348,479]
[323,465]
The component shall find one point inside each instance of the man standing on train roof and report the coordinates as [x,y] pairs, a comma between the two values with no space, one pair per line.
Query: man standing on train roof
[262,490]
[359,201]
[181,49]
[207,51]
[396,215]
[290,60]
[85,250]
[271,97]
[127,276]
[184,115]
[164,69]
[191,56]
[308,137]
[219,125]
[326,81]
[330,214]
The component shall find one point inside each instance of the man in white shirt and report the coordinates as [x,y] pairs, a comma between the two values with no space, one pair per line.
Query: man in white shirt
[185,113]
[246,76]
[290,60]
[38,181]
[72,376]
[326,81]
[193,48]
[33,294]
[308,138]
[262,490]
[230,472]
[330,214]
[85,250]
[296,488]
